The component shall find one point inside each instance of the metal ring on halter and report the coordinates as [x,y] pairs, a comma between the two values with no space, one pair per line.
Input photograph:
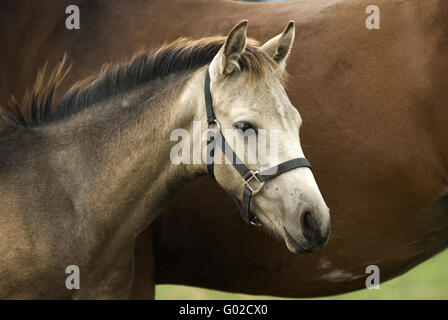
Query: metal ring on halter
[217,123]
[255,221]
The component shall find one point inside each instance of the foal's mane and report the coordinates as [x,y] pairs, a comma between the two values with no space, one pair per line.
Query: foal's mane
[36,108]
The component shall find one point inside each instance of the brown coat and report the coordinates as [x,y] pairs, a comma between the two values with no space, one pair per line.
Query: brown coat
[375,107]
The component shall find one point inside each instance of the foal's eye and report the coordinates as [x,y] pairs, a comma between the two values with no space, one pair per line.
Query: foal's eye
[245,126]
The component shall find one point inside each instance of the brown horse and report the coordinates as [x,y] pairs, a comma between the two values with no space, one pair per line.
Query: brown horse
[374,103]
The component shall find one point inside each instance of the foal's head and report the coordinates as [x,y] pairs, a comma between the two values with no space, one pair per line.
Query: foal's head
[248,95]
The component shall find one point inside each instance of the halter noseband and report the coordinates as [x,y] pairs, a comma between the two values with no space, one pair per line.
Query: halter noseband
[249,176]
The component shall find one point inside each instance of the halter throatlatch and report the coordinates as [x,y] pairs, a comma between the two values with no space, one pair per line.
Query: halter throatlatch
[253,181]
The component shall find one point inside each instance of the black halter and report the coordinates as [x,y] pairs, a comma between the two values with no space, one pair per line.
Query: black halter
[249,176]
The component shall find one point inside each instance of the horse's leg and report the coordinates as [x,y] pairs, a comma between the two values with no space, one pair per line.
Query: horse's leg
[143,286]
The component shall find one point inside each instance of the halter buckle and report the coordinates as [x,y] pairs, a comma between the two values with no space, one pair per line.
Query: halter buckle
[246,182]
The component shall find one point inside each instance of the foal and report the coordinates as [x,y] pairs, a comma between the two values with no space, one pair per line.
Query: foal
[80,182]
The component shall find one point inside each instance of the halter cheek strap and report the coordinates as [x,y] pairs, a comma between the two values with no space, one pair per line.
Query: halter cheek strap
[253,181]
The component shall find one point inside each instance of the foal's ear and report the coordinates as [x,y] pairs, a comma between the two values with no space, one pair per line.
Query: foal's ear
[226,61]
[280,46]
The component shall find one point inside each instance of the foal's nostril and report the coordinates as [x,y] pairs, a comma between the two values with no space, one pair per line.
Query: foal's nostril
[310,228]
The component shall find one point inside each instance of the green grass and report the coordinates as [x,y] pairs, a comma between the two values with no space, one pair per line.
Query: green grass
[429,280]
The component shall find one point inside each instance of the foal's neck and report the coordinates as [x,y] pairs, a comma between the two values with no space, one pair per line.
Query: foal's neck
[115,157]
